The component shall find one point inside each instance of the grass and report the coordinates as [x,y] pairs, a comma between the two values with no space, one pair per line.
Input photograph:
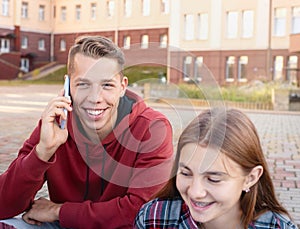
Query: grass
[52,78]
[135,74]
[255,91]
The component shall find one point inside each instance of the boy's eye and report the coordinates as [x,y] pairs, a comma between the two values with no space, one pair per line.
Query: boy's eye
[81,84]
[107,85]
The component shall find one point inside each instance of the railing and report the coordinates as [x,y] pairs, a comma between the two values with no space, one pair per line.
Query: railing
[206,103]
[36,72]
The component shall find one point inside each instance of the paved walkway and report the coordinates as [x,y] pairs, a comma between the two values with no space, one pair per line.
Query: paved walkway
[21,107]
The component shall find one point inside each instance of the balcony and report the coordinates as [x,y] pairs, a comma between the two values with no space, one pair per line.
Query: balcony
[294,43]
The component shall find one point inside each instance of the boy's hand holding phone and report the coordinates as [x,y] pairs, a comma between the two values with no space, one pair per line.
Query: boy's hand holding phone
[52,136]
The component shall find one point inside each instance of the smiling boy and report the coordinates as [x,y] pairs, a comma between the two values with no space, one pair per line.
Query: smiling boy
[114,153]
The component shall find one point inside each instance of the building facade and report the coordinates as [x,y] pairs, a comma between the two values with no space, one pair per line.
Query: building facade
[237,40]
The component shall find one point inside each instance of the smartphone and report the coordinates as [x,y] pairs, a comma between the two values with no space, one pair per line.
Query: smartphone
[66,94]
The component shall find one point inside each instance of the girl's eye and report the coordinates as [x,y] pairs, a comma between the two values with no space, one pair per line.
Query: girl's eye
[214,180]
[184,173]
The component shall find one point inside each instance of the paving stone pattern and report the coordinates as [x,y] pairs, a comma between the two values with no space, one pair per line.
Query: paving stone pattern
[21,107]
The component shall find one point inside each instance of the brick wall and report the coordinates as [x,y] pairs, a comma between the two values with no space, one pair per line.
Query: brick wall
[9,65]
[154,55]
[39,56]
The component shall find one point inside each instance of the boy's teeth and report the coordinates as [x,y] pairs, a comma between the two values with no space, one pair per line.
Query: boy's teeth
[94,112]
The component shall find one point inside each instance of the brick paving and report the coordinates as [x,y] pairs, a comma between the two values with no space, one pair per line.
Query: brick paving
[21,107]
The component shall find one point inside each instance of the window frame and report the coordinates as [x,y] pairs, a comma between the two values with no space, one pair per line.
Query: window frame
[232,20]
[5,8]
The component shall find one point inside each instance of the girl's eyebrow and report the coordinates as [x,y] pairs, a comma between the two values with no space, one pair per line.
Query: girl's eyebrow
[183,165]
[215,173]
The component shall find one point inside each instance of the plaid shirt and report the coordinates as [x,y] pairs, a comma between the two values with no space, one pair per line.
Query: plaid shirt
[175,214]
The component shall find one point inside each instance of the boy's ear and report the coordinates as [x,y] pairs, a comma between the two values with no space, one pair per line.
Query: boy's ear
[124,84]
[253,177]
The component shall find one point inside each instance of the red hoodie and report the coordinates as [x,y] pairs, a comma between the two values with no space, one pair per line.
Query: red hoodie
[100,185]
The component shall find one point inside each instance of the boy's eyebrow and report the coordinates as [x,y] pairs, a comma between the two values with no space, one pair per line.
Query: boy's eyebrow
[107,80]
[81,79]
[103,80]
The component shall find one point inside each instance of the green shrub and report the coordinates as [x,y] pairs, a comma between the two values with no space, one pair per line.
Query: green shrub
[248,93]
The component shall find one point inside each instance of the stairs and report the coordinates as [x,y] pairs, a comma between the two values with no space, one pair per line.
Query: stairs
[42,71]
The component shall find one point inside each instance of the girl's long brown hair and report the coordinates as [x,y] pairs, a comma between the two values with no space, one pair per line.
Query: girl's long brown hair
[233,133]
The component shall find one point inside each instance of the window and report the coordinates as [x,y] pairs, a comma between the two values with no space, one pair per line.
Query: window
[41,13]
[165,6]
[5,7]
[110,5]
[202,26]
[163,41]
[197,68]
[127,8]
[62,45]
[93,11]
[145,42]
[296,20]
[24,64]
[78,12]
[41,44]
[145,7]
[24,10]
[278,68]
[24,42]
[232,24]
[63,13]
[230,62]
[187,64]
[126,42]
[242,68]
[247,24]
[291,74]
[279,22]
[4,45]
[189,27]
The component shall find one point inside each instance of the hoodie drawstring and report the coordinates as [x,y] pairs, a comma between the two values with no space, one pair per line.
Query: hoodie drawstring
[102,184]
[87,179]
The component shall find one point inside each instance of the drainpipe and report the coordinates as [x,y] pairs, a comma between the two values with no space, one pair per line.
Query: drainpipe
[52,31]
[117,23]
[17,25]
[269,48]
[17,40]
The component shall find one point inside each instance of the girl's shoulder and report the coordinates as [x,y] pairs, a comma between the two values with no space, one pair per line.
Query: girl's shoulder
[159,205]
[273,220]
[167,213]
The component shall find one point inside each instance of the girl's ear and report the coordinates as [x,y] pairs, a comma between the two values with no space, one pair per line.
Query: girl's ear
[253,177]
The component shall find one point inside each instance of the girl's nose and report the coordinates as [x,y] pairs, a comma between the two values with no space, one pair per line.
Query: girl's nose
[197,189]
